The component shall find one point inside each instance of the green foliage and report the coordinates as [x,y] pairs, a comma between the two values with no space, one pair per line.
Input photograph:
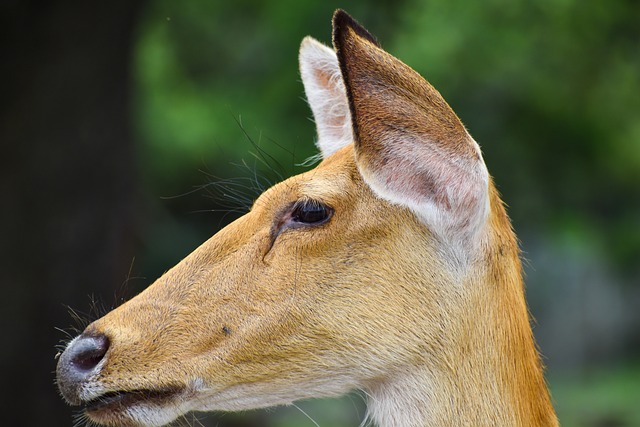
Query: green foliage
[546,86]
[202,66]
[598,397]
[550,89]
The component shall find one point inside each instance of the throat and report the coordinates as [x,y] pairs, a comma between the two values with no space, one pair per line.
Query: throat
[421,396]
[405,399]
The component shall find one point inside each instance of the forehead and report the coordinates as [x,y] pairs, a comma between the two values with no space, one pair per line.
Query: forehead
[335,178]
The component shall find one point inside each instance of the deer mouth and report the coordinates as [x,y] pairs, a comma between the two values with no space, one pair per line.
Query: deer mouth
[109,404]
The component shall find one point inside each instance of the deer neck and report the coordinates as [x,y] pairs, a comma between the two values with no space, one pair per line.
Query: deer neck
[490,373]
[422,397]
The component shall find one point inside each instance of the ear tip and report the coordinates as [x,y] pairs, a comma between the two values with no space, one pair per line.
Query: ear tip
[313,54]
[307,42]
[340,16]
[342,23]
[309,45]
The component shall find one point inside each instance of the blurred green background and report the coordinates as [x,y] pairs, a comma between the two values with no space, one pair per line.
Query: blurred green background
[123,124]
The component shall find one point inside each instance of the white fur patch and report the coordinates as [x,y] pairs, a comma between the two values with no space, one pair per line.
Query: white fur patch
[326,95]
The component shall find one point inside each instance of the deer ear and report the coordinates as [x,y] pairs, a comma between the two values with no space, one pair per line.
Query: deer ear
[410,146]
[325,92]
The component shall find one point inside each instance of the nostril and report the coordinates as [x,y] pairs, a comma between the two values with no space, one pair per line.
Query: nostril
[78,363]
[88,351]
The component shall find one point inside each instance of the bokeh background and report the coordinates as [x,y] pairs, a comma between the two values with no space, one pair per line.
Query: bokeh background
[123,122]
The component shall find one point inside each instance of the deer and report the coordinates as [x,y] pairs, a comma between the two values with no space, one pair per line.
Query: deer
[391,268]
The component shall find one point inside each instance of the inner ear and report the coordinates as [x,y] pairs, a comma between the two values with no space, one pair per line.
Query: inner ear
[326,95]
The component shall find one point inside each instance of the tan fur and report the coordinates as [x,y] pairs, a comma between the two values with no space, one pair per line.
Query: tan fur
[262,314]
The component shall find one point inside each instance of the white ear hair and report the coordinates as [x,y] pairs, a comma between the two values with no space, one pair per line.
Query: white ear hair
[326,95]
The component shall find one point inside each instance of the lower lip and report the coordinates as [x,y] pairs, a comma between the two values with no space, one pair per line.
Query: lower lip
[117,402]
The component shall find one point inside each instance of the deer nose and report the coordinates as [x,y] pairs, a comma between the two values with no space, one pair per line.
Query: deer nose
[86,352]
[78,362]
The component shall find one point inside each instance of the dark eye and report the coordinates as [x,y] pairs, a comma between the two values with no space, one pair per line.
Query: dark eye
[310,212]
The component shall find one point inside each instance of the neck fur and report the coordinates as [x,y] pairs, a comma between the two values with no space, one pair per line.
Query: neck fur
[491,373]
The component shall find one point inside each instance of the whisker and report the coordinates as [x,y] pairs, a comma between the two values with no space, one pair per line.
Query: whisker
[305,414]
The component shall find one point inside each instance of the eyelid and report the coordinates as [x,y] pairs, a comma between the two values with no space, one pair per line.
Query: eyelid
[299,204]
[284,221]
[310,205]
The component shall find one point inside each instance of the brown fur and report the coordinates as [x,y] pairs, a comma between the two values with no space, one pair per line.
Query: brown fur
[264,314]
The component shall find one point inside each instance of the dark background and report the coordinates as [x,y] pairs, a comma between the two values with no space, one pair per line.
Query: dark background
[119,120]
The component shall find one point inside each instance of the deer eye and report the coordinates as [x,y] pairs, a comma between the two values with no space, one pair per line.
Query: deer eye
[310,212]
[304,213]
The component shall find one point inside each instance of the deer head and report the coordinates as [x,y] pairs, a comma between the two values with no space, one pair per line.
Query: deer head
[390,267]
